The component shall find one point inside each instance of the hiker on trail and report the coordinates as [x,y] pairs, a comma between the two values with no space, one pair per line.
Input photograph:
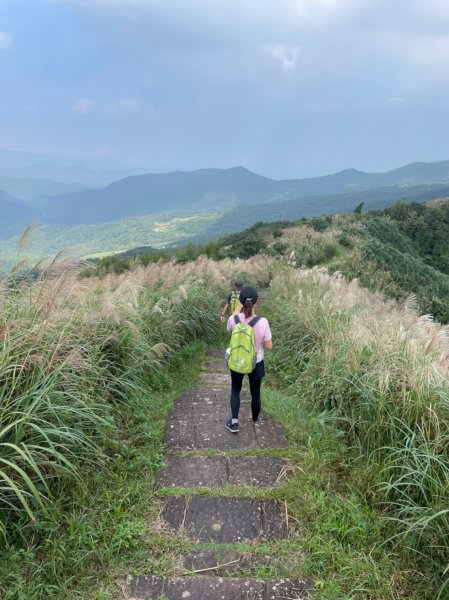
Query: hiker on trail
[250,336]
[232,301]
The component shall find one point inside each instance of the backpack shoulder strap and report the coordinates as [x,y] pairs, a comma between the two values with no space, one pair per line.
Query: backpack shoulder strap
[236,319]
[254,321]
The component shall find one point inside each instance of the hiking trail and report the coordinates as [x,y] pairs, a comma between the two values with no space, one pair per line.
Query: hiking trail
[202,453]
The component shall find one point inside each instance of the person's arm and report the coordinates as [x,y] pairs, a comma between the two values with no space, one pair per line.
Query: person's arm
[231,323]
[267,341]
[223,312]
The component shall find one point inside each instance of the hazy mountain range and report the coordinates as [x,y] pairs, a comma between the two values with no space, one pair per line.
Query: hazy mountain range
[237,197]
[214,189]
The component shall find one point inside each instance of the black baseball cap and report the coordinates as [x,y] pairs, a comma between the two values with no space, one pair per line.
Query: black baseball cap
[248,293]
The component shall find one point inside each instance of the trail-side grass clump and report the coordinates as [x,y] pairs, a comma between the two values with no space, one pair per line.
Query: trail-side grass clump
[381,372]
[80,362]
[336,532]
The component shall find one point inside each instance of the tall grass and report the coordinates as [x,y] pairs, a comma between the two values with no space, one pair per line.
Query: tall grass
[73,351]
[383,372]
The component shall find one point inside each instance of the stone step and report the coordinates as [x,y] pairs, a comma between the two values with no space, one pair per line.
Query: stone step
[211,389]
[215,365]
[215,353]
[206,408]
[200,389]
[221,471]
[204,392]
[209,431]
[218,379]
[217,393]
[213,563]
[210,588]
[224,520]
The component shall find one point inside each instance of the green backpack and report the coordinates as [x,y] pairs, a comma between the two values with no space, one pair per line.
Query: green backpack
[234,301]
[242,352]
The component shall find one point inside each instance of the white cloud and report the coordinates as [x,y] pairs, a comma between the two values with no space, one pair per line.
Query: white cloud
[430,52]
[319,12]
[124,105]
[325,106]
[287,56]
[424,51]
[6,41]
[83,106]
[395,101]
[128,106]
[431,9]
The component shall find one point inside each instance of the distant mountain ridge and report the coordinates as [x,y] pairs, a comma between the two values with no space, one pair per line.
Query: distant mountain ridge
[245,197]
[206,189]
[36,191]
[141,195]
[76,171]
[15,214]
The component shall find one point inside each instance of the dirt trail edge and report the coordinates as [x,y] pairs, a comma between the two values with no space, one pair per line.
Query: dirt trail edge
[202,455]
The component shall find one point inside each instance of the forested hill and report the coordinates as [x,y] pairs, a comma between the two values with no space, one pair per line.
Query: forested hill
[401,250]
[167,209]
[207,189]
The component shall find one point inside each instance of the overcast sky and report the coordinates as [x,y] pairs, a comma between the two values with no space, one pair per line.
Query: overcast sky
[286,88]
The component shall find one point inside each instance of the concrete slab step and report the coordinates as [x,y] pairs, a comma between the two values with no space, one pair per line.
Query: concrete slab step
[206,409]
[209,432]
[218,379]
[215,366]
[215,353]
[221,471]
[212,391]
[226,520]
[211,588]
[213,563]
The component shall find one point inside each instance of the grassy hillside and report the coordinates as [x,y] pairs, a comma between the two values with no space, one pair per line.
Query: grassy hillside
[89,369]
[401,251]
[242,217]
[85,240]
[176,228]
[127,213]
[379,373]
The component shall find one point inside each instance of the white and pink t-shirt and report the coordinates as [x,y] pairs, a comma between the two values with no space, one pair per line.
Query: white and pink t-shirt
[262,332]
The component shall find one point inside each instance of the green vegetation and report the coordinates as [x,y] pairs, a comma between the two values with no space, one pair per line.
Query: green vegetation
[241,245]
[89,369]
[340,534]
[401,251]
[88,372]
[377,374]
[158,231]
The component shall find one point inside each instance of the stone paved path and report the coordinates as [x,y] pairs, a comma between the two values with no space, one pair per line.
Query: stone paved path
[196,426]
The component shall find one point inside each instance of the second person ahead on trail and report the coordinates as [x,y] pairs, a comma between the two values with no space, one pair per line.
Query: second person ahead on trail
[232,301]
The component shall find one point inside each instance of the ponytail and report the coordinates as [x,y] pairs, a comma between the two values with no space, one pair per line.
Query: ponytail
[247,308]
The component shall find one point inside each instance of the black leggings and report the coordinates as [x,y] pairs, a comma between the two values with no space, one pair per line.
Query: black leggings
[255,381]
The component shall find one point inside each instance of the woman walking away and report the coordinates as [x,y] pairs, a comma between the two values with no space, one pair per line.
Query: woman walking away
[252,335]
